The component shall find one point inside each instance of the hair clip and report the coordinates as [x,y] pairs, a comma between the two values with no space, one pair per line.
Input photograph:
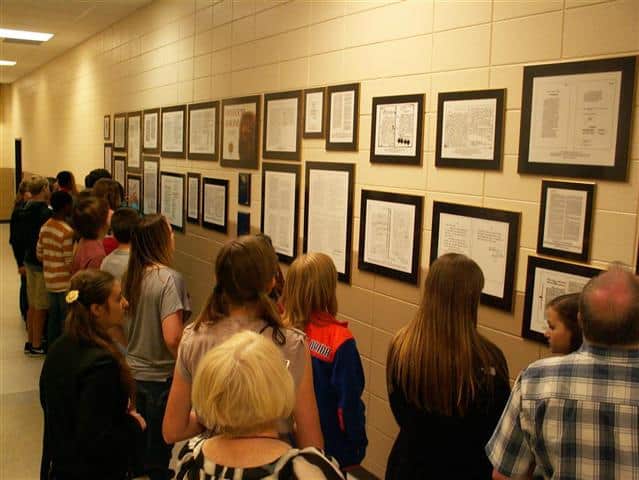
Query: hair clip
[72,296]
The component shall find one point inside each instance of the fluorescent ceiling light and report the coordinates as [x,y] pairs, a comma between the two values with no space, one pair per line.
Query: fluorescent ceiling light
[25,35]
[7,63]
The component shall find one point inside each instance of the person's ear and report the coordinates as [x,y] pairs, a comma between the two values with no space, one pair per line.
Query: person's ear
[97,310]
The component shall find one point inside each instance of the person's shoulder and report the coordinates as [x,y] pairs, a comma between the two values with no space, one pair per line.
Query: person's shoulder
[327,330]
[309,464]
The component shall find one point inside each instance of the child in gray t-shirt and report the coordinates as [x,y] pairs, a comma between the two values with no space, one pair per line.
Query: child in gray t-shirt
[123,221]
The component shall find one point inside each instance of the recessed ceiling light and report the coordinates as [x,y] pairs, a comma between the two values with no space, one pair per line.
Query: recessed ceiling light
[25,35]
[7,63]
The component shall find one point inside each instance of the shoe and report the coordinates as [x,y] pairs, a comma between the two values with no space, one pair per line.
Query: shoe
[27,347]
[37,352]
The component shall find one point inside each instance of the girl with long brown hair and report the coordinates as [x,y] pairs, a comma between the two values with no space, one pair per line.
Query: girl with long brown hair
[447,384]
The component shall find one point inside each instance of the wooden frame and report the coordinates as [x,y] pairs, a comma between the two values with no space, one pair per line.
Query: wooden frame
[586,140]
[129,117]
[243,223]
[106,127]
[154,150]
[282,153]
[214,155]
[219,183]
[331,143]
[114,170]
[147,171]
[306,133]
[248,134]
[492,218]
[198,178]
[130,202]
[119,119]
[173,153]
[181,176]
[108,164]
[244,189]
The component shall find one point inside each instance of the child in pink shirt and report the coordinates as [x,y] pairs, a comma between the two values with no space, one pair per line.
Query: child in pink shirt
[90,221]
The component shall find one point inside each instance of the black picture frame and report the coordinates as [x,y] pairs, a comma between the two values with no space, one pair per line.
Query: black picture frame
[108,157]
[221,183]
[306,133]
[119,158]
[249,128]
[119,118]
[106,127]
[244,189]
[281,154]
[417,202]
[129,116]
[181,176]
[216,124]
[397,158]
[152,150]
[512,219]
[589,189]
[130,201]
[349,168]
[146,159]
[626,67]
[198,177]
[243,223]
[535,263]
[352,145]
[170,153]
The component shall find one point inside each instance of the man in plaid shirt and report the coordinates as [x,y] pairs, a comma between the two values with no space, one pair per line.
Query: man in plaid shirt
[577,416]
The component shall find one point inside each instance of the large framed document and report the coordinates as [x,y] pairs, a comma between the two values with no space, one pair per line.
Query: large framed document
[204,119]
[193,181]
[134,190]
[314,112]
[470,129]
[490,237]
[397,129]
[174,131]
[576,118]
[280,204]
[172,195]
[150,185]
[108,156]
[328,213]
[119,132]
[106,127]
[565,219]
[282,138]
[343,117]
[215,203]
[118,170]
[240,132]
[134,144]
[151,131]
[390,235]
[545,280]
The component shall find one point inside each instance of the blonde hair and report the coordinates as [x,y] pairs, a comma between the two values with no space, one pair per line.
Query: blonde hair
[311,283]
[243,386]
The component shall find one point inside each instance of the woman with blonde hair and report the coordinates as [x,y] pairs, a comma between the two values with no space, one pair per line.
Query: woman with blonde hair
[447,384]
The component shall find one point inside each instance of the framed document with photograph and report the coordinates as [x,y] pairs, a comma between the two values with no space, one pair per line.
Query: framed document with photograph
[314,108]
[172,194]
[240,132]
[576,118]
[119,132]
[215,203]
[134,145]
[151,131]
[193,197]
[204,119]
[134,191]
[243,223]
[174,131]
[108,157]
[119,170]
[244,189]
[343,117]
[282,137]
[106,127]
[151,185]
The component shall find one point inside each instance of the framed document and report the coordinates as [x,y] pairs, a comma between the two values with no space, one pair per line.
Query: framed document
[151,131]
[390,235]
[244,189]
[280,204]
[576,117]
[490,237]
[240,132]
[470,129]
[314,103]
[119,170]
[119,132]
[134,146]
[243,223]
[172,190]
[204,119]
[343,117]
[545,280]
[565,219]
[397,129]
[328,213]
[151,185]
[134,191]
[282,125]
[107,127]
[108,157]
[193,197]
[215,205]
[173,131]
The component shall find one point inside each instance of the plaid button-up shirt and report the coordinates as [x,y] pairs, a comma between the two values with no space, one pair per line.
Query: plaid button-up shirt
[575,417]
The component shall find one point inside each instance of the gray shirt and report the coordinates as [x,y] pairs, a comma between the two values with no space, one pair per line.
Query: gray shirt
[116,263]
[163,293]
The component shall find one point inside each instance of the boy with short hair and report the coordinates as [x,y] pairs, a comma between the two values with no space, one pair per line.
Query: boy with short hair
[123,222]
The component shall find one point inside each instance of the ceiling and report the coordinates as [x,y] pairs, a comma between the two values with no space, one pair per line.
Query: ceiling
[72,22]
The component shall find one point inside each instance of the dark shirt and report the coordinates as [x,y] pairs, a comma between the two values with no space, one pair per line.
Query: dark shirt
[14,234]
[29,221]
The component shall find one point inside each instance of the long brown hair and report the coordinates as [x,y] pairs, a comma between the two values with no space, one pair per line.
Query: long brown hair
[567,308]
[439,360]
[150,246]
[94,288]
[108,189]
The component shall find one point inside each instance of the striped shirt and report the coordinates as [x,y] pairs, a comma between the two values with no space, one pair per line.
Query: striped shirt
[55,250]
[574,417]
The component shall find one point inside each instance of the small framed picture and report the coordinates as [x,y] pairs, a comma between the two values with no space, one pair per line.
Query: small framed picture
[244,189]
[174,131]
[314,112]
[151,185]
[151,131]
[343,117]
[204,119]
[108,156]
[243,223]
[119,132]
[215,203]
[193,181]
[118,170]
[241,132]
[107,127]
[282,138]
[134,144]
[172,187]
[134,191]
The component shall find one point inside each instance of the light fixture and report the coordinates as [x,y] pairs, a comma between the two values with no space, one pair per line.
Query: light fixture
[7,63]
[25,35]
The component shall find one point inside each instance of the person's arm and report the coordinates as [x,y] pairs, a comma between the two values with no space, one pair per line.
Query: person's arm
[67,250]
[39,247]
[172,328]
[179,421]
[308,432]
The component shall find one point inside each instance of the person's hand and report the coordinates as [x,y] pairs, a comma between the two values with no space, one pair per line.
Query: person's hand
[22,271]
[139,418]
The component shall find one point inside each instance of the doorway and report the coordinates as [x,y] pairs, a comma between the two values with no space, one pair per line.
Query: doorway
[18,157]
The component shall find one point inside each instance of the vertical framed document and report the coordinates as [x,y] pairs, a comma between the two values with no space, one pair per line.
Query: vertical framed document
[134,191]
[193,181]
[215,204]
[204,119]
[151,131]
[490,237]
[151,185]
[119,132]
[172,193]
[244,189]
[390,235]
[173,131]
[280,204]
[328,213]
[565,219]
[576,118]
[314,112]
[108,157]
[397,129]
[106,127]
[240,132]
[134,144]
[343,117]
[470,129]
[243,223]
[545,280]
[282,137]
[119,170]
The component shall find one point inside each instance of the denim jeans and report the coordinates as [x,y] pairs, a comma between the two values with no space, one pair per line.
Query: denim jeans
[57,314]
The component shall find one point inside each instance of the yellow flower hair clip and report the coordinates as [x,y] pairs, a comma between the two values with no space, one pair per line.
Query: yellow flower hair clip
[72,296]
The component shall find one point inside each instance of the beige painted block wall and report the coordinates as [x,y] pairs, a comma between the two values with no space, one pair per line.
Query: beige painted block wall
[181,51]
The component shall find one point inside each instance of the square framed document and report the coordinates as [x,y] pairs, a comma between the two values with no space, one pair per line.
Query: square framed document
[134,191]
[397,129]
[343,117]
[545,280]
[151,131]
[470,128]
[328,213]
[108,156]
[243,223]
[314,113]
[565,219]
[282,139]
[280,205]
[204,119]
[193,181]
[240,132]
[390,235]
[134,144]
[490,237]
[172,195]
[119,132]
[118,171]
[151,185]
[244,189]
[215,203]
[106,127]
[576,118]
[174,131]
